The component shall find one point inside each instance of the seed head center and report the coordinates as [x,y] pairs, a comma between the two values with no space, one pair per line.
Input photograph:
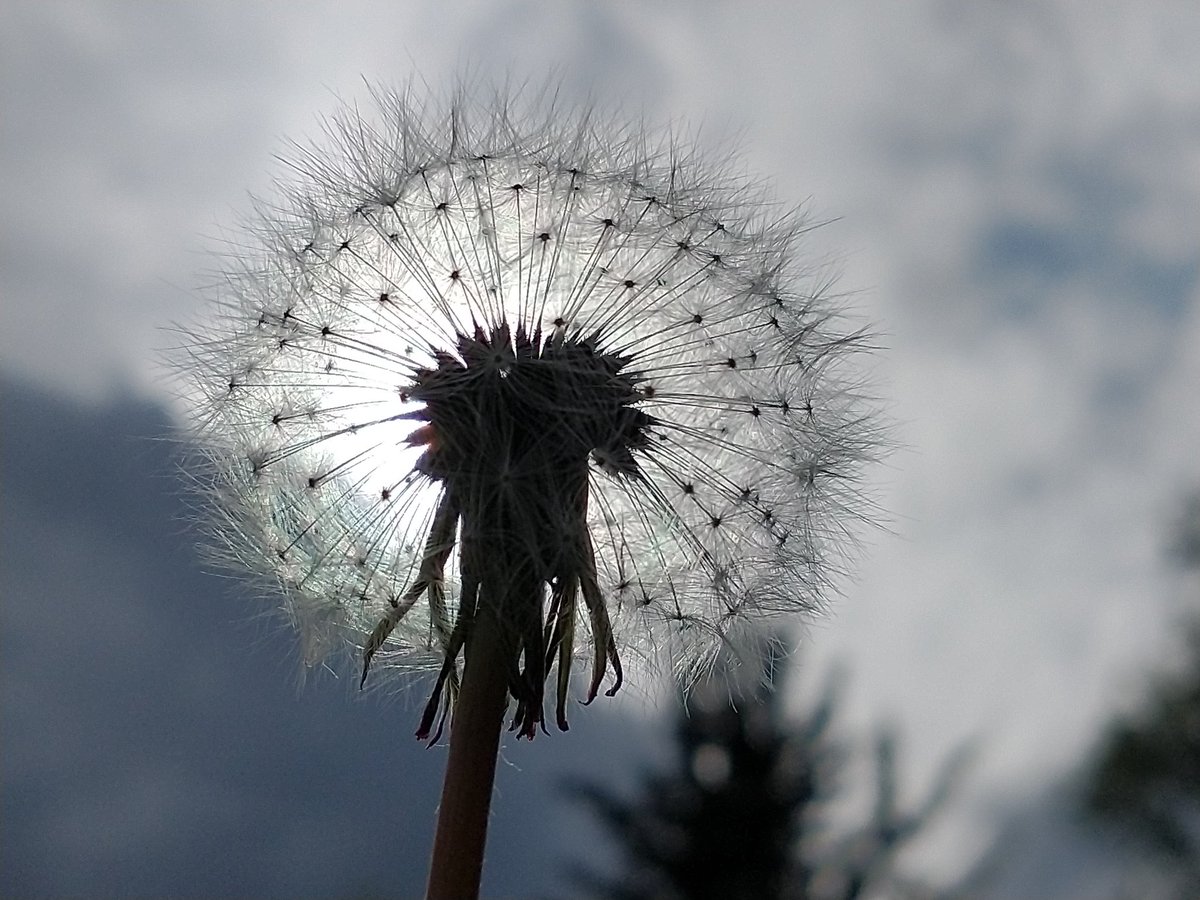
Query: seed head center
[513,412]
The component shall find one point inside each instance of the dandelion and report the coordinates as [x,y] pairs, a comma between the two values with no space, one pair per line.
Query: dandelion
[504,384]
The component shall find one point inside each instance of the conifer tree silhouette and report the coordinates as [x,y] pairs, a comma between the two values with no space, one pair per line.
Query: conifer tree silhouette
[745,811]
[1145,776]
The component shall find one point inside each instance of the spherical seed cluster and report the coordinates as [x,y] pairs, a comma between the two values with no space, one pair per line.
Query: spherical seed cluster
[482,360]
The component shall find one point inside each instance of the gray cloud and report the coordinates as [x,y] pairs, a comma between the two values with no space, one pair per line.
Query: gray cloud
[1020,202]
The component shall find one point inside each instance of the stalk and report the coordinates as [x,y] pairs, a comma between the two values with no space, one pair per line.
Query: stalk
[458,845]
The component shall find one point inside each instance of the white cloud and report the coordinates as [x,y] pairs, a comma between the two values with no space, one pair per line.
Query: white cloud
[1021,193]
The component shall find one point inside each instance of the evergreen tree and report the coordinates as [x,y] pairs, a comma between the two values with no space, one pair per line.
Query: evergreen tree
[745,811]
[1145,779]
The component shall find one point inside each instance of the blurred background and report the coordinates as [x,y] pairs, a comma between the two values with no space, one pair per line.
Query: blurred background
[1014,196]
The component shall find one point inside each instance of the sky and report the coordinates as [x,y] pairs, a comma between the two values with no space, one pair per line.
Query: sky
[1013,196]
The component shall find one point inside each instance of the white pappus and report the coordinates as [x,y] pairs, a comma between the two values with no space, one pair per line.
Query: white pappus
[507,354]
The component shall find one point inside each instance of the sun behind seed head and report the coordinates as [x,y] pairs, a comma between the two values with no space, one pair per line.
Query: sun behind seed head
[494,353]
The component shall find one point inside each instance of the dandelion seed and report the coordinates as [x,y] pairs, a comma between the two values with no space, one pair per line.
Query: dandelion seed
[529,372]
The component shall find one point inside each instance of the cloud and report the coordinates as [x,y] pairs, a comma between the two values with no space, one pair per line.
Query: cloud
[1019,193]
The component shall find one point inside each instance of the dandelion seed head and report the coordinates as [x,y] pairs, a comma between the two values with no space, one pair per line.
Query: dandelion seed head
[507,353]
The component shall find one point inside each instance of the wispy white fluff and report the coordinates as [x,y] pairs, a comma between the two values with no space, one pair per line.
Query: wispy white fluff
[456,306]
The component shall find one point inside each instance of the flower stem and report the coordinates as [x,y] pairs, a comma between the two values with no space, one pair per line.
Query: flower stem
[458,844]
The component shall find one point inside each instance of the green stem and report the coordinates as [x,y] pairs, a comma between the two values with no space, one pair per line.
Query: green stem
[458,845]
